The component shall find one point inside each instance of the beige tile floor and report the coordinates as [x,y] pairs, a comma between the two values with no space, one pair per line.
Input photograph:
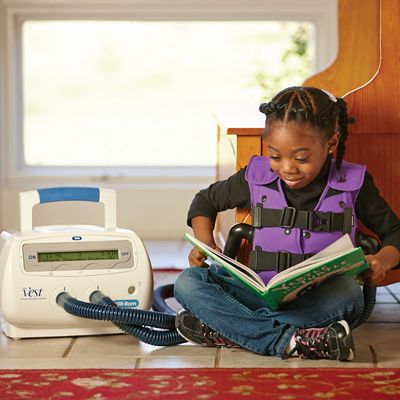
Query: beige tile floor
[377,345]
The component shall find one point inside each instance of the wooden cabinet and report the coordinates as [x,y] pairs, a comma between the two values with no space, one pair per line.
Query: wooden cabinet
[239,137]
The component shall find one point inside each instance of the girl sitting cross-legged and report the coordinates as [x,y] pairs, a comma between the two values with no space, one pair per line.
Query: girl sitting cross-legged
[304,127]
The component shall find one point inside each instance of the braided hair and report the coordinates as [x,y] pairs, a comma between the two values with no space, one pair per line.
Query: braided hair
[313,106]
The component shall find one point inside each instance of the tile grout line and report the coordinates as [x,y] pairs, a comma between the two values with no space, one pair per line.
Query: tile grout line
[69,347]
[217,358]
[393,294]
[138,362]
[373,355]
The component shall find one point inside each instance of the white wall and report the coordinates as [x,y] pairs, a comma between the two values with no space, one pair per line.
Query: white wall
[156,206]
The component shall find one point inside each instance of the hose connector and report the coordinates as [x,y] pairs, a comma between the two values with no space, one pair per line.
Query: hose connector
[62,298]
[96,297]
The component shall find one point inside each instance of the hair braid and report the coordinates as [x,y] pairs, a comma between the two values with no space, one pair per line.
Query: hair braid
[268,108]
[343,121]
[289,107]
[307,98]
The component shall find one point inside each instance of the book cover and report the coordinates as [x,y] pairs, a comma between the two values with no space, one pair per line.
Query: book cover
[341,257]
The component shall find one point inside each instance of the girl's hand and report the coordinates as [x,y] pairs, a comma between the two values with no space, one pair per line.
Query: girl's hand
[197,259]
[381,262]
[376,272]
[203,230]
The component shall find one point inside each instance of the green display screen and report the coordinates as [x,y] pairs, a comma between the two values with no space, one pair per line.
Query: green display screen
[78,256]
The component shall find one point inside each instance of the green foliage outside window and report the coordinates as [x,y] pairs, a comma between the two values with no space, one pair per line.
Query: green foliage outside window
[295,65]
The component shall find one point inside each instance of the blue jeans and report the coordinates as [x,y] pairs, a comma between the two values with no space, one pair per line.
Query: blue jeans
[225,305]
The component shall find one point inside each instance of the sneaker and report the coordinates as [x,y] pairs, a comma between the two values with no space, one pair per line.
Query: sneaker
[195,331]
[333,342]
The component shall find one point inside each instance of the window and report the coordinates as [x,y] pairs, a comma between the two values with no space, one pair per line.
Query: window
[74,93]
[141,94]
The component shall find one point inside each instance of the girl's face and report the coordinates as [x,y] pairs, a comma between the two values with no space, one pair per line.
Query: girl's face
[297,152]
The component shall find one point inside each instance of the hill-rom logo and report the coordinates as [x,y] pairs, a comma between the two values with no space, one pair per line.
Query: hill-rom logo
[129,303]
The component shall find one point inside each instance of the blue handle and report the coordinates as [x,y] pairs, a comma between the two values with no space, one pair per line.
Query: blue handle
[69,194]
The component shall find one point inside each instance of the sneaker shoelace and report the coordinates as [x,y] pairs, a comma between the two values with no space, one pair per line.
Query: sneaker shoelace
[311,343]
[213,338]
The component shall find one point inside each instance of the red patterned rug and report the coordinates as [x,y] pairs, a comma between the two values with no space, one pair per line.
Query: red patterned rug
[201,384]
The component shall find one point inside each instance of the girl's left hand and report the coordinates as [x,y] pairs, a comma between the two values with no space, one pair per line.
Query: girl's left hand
[376,272]
[381,262]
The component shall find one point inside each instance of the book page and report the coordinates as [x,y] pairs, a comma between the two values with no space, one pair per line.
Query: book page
[333,250]
[229,263]
[342,246]
[308,285]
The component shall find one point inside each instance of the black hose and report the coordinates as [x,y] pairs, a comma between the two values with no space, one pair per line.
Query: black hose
[147,335]
[160,295]
[128,320]
[118,314]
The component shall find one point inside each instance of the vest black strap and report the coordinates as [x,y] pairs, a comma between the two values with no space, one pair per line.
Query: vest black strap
[274,261]
[289,217]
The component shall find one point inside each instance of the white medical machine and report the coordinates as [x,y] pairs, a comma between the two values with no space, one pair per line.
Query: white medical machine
[37,264]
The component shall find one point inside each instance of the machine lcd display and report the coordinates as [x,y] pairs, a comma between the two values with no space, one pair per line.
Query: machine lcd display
[65,256]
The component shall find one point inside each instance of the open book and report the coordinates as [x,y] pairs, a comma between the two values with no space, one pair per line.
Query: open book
[341,257]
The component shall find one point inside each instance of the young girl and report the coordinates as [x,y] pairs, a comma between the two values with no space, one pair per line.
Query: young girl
[302,200]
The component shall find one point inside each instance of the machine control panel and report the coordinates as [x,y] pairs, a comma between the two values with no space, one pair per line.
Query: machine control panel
[70,256]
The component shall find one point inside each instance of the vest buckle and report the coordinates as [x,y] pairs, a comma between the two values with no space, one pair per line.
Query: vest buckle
[320,221]
[288,216]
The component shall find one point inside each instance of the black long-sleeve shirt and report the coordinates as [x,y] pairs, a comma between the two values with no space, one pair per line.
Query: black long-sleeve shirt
[371,208]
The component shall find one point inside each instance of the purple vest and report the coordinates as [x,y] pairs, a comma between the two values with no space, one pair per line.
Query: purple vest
[296,240]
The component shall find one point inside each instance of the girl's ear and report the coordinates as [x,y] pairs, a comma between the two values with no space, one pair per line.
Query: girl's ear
[333,142]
